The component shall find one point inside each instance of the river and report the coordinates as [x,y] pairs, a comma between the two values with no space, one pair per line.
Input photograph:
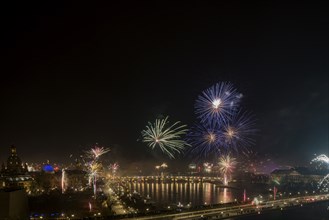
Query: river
[185,193]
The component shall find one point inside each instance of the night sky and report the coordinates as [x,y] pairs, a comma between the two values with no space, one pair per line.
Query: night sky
[75,75]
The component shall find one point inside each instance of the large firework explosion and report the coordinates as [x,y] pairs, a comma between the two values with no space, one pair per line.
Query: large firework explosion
[165,136]
[226,166]
[222,126]
[217,104]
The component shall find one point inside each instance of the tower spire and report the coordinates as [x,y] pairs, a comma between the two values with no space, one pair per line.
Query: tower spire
[13,150]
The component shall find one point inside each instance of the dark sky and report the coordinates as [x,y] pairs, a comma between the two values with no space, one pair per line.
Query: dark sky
[75,74]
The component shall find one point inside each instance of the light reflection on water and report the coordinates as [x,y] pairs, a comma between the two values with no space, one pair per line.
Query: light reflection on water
[194,193]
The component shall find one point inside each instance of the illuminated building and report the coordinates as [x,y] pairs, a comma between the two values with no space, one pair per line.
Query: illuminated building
[15,174]
[297,175]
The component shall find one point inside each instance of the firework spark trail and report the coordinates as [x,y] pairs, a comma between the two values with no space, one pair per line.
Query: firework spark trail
[204,140]
[93,171]
[167,137]
[164,166]
[207,167]
[239,131]
[321,158]
[226,166]
[95,185]
[63,181]
[93,167]
[217,104]
[114,167]
[96,152]
[323,183]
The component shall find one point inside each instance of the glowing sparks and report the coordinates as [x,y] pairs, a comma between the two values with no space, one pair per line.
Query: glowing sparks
[114,168]
[167,137]
[94,167]
[217,104]
[222,127]
[96,152]
[238,132]
[321,158]
[63,182]
[226,166]
[164,165]
[207,167]
[324,182]
[204,140]
[211,138]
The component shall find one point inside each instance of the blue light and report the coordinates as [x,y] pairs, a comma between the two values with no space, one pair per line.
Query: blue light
[48,168]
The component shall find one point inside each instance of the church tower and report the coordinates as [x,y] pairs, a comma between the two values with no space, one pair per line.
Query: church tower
[14,163]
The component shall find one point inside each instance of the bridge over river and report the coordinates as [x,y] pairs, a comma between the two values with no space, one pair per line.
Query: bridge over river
[172,178]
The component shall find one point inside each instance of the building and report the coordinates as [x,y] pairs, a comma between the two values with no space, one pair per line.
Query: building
[15,173]
[13,204]
[299,175]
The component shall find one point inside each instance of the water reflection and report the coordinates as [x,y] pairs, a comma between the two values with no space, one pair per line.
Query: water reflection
[186,192]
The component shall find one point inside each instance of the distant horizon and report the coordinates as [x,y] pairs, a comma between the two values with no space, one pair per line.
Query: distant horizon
[173,164]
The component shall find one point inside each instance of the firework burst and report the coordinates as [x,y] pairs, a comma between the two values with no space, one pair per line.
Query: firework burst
[238,132]
[204,140]
[94,166]
[95,152]
[321,158]
[114,168]
[217,104]
[93,171]
[167,137]
[226,166]
[164,166]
